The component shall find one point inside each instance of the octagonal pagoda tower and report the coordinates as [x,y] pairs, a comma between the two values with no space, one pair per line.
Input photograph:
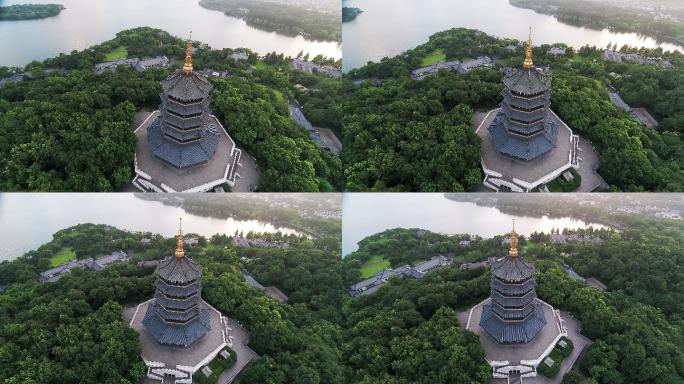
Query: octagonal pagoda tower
[177,317]
[522,129]
[182,135]
[513,315]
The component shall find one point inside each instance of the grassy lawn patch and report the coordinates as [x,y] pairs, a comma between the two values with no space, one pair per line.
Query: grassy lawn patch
[64,255]
[560,185]
[261,65]
[119,52]
[558,354]
[436,56]
[373,266]
[279,95]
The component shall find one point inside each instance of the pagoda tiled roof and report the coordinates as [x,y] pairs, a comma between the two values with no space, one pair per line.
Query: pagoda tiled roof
[505,332]
[180,335]
[179,270]
[179,291]
[515,289]
[519,147]
[186,87]
[527,81]
[182,155]
[513,269]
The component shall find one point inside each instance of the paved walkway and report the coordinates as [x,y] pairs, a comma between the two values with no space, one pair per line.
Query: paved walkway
[245,354]
[249,174]
[580,342]
[587,168]
[329,140]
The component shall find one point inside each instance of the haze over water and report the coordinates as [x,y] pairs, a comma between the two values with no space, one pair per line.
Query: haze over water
[85,23]
[366,214]
[389,27]
[28,220]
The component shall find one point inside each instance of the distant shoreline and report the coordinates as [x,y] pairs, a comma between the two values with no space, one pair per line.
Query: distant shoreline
[20,12]
[350,13]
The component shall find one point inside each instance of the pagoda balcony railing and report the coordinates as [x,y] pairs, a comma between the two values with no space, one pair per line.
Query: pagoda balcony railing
[526,135]
[520,122]
[513,308]
[513,283]
[178,310]
[510,314]
[180,322]
[179,298]
[177,108]
[182,130]
[504,294]
[514,320]
[179,116]
[185,103]
[527,97]
[531,292]
[169,314]
[175,285]
[515,108]
[174,291]
[182,142]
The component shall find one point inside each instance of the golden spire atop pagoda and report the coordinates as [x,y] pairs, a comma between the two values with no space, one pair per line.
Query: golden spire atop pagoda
[513,251]
[528,64]
[180,240]
[187,67]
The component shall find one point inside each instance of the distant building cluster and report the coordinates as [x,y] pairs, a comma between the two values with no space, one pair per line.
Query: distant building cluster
[135,63]
[479,265]
[259,243]
[674,215]
[310,67]
[639,114]
[557,51]
[454,65]
[372,284]
[591,282]
[239,56]
[322,213]
[559,238]
[27,75]
[271,292]
[298,116]
[97,265]
[635,58]
[215,74]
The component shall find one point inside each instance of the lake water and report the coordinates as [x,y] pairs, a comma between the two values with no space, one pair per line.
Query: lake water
[29,220]
[365,214]
[85,23]
[389,27]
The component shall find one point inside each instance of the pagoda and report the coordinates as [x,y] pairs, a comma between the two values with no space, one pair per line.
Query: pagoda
[177,316]
[523,129]
[182,135]
[514,315]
